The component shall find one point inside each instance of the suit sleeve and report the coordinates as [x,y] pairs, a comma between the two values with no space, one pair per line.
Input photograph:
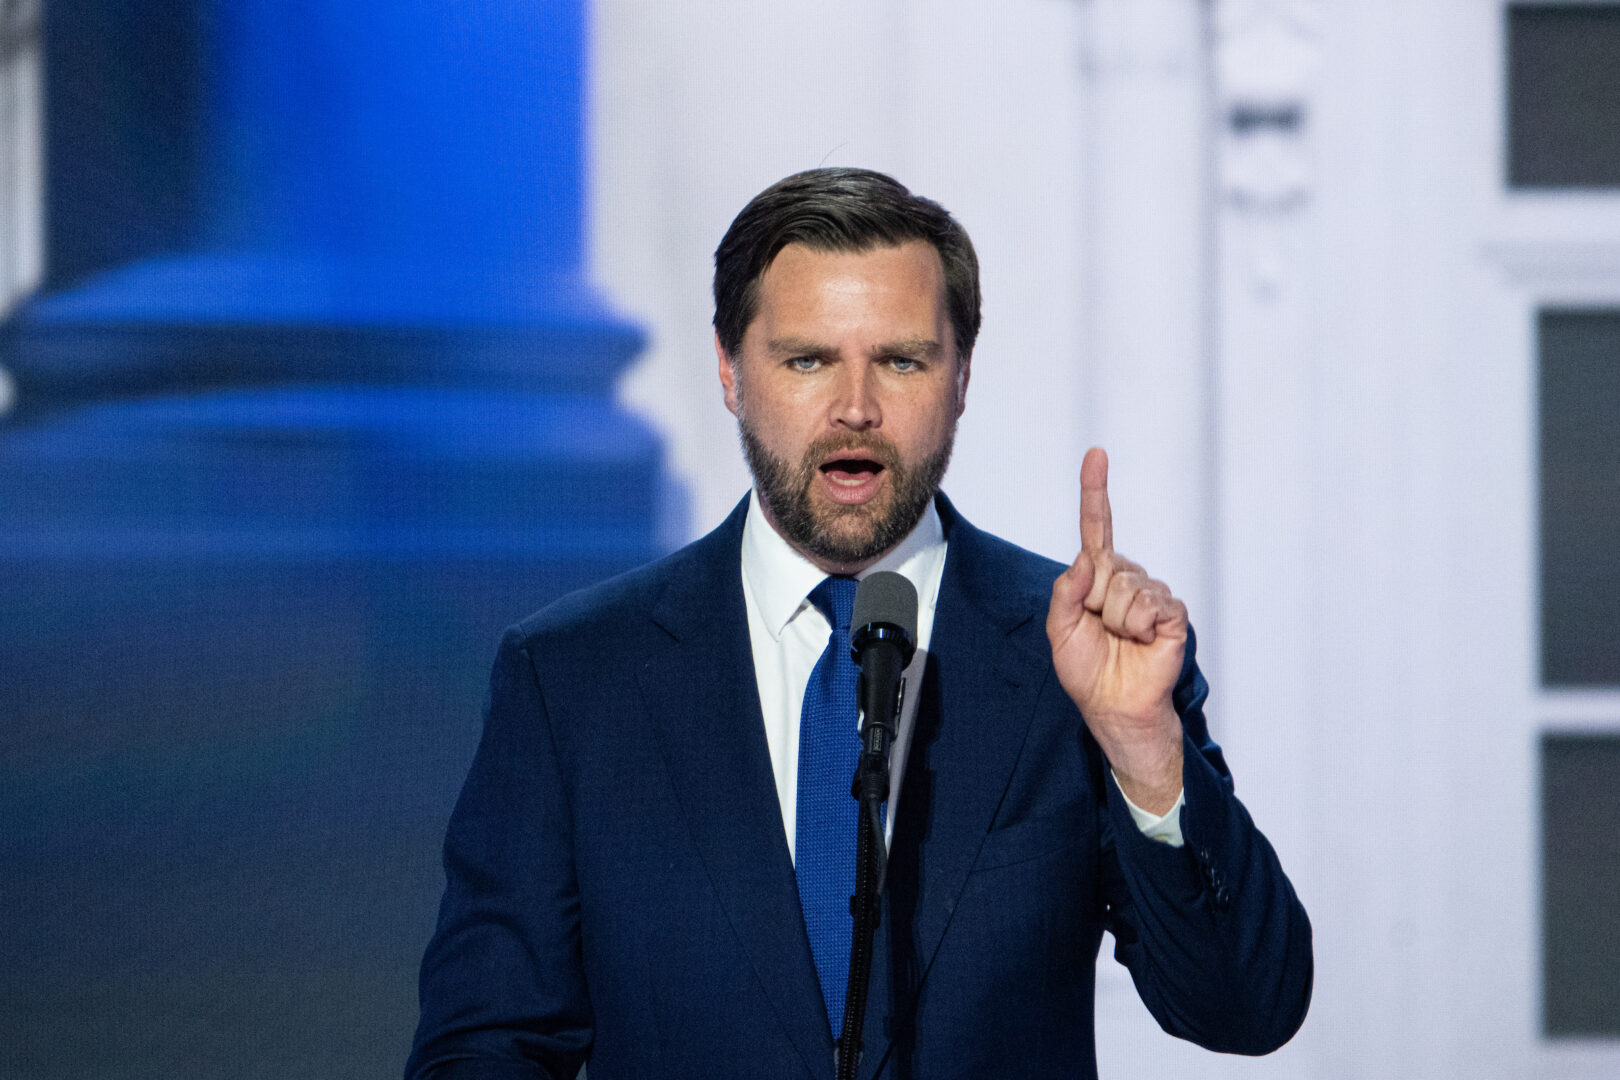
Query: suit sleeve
[503,993]
[1216,941]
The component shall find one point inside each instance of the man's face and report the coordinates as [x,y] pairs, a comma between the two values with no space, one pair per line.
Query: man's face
[847,389]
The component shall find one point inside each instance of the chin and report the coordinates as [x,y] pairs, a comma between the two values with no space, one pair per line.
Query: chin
[849,534]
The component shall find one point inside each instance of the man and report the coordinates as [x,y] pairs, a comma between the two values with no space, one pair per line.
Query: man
[638,869]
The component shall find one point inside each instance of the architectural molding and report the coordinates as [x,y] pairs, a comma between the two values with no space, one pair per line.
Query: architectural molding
[1265,62]
[1265,57]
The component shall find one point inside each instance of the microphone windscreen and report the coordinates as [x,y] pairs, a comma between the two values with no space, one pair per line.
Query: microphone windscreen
[885,597]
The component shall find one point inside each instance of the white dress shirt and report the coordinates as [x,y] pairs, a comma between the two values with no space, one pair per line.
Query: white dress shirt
[788,635]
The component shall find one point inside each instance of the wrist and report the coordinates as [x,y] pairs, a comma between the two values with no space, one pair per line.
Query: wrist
[1147,769]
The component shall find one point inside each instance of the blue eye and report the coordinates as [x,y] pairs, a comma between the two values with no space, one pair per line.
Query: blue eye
[903,363]
[804,363]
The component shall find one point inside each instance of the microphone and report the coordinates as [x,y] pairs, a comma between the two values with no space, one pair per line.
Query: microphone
[883,639]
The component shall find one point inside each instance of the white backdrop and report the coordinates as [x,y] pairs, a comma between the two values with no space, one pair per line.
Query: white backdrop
[1308,344]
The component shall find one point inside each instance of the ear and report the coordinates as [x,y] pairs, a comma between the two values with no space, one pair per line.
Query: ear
[728,377]
[964,369]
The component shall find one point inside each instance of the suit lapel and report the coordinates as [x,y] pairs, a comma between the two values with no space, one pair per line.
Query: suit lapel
[698,684]
[988,662]
[979,697]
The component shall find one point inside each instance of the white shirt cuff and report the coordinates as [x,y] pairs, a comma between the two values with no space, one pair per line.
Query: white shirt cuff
[1166,829]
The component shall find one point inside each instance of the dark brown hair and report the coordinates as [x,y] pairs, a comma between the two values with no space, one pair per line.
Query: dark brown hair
[851,210]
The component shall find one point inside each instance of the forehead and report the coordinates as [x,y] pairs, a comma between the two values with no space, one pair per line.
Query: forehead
[882,289]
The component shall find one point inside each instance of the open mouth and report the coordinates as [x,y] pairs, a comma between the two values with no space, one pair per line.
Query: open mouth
[853,480]
[851,472]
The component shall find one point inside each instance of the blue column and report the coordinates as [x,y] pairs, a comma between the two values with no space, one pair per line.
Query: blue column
[386,264]
[402,182]
[265,505]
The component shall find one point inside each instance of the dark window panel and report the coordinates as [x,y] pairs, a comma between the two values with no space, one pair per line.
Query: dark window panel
[1580,844]
[1580,497]
[1564,95]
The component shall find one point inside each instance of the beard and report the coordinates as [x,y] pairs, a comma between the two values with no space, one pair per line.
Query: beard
[836,532]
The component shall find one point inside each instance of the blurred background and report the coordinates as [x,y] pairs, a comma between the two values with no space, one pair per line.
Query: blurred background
[337,336]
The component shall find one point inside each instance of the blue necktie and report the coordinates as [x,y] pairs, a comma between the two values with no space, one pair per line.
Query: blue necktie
[824,834]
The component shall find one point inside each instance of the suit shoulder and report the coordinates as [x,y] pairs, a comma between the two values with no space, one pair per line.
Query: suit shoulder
[608,604]
[999,570]
[688,578]
[1024,565]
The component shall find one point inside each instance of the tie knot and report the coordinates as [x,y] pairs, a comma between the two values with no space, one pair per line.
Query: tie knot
[835,599]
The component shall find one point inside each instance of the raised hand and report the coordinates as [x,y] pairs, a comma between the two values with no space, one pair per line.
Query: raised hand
[1117,638]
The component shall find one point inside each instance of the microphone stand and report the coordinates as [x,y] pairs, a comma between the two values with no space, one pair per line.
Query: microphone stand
[871,787]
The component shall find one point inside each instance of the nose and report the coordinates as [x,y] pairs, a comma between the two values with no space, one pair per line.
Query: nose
[856,407]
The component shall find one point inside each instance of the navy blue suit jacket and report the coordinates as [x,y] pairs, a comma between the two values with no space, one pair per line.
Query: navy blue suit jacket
[619,887]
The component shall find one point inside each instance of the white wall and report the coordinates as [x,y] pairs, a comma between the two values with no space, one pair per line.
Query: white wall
[1354,396]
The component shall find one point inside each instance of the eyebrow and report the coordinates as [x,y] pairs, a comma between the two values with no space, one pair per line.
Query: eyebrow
[917,348]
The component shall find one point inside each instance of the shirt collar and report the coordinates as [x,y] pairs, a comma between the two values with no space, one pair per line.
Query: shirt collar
[781,579]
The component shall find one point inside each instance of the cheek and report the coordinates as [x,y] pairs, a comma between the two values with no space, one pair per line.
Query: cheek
[786,414]
[778,425]
[930,425]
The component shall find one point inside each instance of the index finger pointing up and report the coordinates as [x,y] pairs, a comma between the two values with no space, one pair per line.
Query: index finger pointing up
[1096,519]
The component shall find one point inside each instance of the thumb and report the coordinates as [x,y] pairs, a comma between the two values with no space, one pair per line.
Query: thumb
[1071,587]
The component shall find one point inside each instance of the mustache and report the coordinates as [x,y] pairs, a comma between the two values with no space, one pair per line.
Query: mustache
[872,445]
